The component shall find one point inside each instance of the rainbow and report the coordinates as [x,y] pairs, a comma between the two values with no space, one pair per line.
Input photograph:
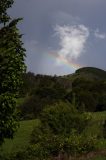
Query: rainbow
[70,63]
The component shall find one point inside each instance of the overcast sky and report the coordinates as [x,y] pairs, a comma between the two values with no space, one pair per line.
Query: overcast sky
[62,35]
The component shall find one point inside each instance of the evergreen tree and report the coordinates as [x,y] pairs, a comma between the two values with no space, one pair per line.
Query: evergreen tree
[12,67]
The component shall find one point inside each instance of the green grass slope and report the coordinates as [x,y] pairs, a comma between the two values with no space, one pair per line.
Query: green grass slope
[21,138]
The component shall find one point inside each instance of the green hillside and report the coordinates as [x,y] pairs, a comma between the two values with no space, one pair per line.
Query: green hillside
[90,73]
[94,72]
[21,138]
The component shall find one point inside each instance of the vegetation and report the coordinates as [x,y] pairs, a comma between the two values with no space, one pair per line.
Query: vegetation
[92,73]
[11,69]
[42,90]
[21,138]
[99,158]
[68,112]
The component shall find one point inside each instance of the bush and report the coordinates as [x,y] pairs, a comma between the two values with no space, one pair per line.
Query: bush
[77,144]
[62,118]
[33,152]
[104,130]
[60,131]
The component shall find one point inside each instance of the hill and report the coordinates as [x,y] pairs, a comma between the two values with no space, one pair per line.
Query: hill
[89,73]
[94,72]
[87,86]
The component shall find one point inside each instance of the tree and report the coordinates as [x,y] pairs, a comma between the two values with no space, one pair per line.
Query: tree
[4,5]
[12,67]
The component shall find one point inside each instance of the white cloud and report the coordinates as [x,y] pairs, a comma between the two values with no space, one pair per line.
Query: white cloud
[62,17]
[72,41]
[99,35]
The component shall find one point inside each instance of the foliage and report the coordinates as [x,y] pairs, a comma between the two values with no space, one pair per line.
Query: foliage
[92,73]
[61,130]
[90,93]
[29,83]
[98,158]
[104,129]
[4,5]
[80,143]
[22,138]
[62,118]
[11,69]
[42,90]
[46,92]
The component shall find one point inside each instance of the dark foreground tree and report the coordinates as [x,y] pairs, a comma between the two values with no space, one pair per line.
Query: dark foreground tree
[12,67]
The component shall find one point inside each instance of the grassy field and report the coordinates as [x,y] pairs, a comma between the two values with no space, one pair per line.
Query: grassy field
[21,138]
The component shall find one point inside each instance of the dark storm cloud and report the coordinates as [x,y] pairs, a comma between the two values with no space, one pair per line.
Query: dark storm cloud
[38,26]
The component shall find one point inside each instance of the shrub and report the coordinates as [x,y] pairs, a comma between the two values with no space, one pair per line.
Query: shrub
[60,130]
[104,130]
[77,144]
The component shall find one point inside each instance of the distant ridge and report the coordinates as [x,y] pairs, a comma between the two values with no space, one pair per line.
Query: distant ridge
[90,69]
[90,73]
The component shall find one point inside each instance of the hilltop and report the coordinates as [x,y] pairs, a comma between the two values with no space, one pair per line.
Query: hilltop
[90,73]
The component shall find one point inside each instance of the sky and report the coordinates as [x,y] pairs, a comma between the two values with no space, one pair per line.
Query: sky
[61,36]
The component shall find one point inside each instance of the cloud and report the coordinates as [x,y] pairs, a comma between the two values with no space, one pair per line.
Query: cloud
[62,18]
[72,41]
[99,35]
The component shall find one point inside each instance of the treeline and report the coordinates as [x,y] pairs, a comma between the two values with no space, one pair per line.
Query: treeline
[41,90]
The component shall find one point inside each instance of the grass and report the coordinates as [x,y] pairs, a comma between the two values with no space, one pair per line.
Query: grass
[96,128]
[21,138]
[20,101]
[101,116]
